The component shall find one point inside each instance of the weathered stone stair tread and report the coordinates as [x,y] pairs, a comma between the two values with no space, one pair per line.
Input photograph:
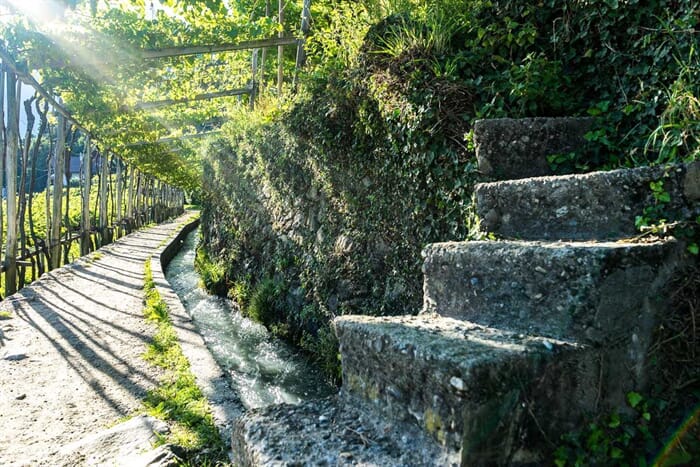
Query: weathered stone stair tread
[581,291]
[593,206]
[437,371]
[508,148]
[335,431]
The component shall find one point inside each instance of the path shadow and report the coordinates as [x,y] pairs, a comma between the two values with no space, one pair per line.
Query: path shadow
[78,344]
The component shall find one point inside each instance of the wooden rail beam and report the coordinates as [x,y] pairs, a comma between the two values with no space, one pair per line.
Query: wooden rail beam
[198,97]
[170,139]
[28,79]
[203,49]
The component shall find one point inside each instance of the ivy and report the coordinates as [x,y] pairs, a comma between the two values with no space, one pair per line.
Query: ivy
[619,439]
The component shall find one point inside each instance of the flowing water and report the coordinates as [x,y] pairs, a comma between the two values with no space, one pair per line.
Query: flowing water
[263,369]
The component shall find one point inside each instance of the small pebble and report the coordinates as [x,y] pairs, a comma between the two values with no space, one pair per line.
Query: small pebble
[15,357]
[457,383]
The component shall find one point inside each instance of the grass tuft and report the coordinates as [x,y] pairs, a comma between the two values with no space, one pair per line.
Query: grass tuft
[178,399]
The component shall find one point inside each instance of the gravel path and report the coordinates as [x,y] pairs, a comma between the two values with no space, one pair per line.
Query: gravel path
[70,354]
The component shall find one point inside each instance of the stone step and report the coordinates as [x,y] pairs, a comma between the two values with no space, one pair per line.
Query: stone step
[580,291]
[336,431]
[593,206]
[468,386]
[509,148]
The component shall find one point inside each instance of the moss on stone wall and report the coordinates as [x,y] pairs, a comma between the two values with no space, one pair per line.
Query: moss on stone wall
[332,197]
[333,210]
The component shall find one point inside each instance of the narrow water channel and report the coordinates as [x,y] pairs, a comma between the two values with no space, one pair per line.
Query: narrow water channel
[263,369]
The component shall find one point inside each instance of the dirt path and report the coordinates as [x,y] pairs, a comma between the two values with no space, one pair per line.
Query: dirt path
[70,355]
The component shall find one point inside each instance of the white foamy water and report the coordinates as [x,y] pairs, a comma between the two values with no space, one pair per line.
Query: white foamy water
[263,369]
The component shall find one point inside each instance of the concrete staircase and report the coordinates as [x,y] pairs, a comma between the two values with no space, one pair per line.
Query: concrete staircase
[518,338]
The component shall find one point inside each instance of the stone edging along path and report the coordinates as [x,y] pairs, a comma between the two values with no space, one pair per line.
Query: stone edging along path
[71,356]
[225,405]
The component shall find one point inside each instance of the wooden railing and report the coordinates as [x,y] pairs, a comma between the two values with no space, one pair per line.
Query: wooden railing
[125,198]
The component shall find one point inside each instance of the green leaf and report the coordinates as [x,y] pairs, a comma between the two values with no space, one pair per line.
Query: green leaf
[693,249]
[616,453]
[634,398]
[663,197]
[614,421]
[657,186]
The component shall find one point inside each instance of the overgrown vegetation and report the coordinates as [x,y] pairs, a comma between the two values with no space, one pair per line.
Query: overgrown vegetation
[626,439]
[372,151]
[178,399]
[320,205]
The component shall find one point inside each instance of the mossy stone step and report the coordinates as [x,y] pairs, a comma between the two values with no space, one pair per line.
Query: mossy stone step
[466,385]
[336,431]
[582,291]
[508,148]
[592,206]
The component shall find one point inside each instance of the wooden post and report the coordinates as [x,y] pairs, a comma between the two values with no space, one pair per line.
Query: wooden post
[57,205]
[104,174]
[154,207]
[26,151]
[11,174]
[264,52]
[131,217]
[139,187]
[111,203]
[47,198]
[65,172]
[280,50]
[38,259]
[119,198]
[147,198]
[253,77]
[85,224]
[301,54]
[162,215]
[3,146]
